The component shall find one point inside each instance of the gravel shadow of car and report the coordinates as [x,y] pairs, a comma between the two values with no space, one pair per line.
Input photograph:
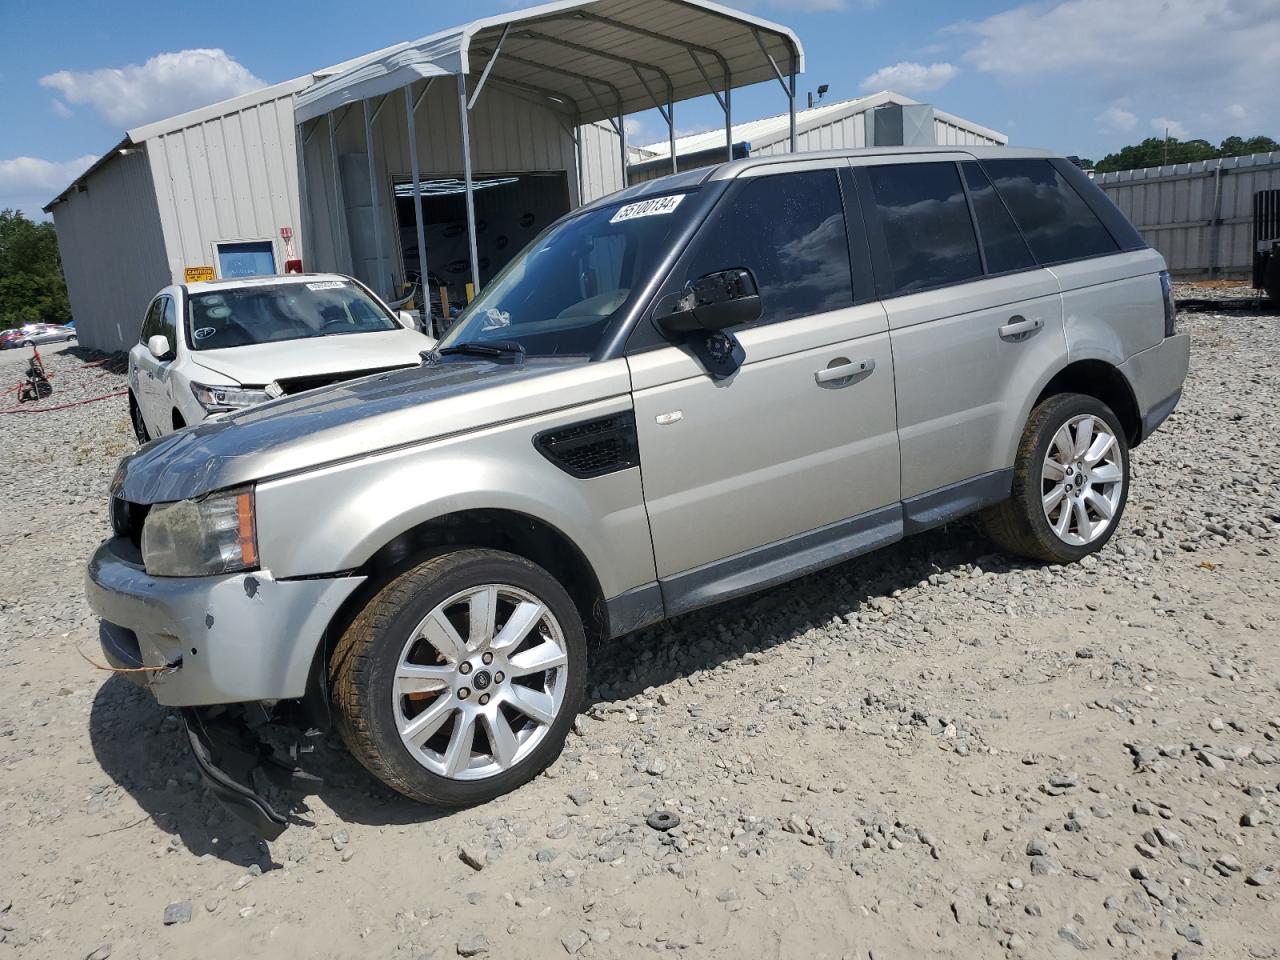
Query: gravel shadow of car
[143,747]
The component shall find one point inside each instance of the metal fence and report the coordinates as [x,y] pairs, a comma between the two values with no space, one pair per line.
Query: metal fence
[1198,215]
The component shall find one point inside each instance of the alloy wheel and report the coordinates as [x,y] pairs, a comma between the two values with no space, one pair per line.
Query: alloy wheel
[1082,480]
[480,681]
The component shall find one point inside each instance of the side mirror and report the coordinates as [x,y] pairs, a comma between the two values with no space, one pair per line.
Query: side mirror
[159,347]
[718,301]
[407,320]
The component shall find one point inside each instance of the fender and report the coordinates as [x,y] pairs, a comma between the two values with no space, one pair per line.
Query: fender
[336,518]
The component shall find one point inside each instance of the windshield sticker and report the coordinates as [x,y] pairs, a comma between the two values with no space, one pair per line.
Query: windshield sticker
[647,208]
[326,285]
[493,319]
[203,332]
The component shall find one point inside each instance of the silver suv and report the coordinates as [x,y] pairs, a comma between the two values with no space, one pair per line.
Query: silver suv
[695,388]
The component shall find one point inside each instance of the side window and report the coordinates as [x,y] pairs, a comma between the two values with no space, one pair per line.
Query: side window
[927,228]
[788,229]
[1055,220]
[169,322]
[151,322]
[1002,244]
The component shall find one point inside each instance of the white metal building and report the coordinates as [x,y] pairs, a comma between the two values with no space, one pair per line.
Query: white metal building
[828,126]
[210,188]
[1198,215]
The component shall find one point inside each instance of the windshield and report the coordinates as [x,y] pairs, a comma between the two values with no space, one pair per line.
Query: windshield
[287,311]
[558,296]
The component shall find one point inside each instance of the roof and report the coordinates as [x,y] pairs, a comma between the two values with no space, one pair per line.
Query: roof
[595,58]
[275,280]
[768,130]
[139,135]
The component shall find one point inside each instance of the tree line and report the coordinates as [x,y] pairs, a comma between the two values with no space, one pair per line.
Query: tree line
[32,289]
[1157,151]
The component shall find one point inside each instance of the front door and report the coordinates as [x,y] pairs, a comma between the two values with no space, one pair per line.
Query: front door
[797,451]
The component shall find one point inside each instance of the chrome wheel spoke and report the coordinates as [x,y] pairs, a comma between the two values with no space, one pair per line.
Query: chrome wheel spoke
[523,619]
[483,605]
[1099,503]
[457,756]
[415,678]
[501,738]
[1084,437]
[1054,497]
[1100,447]
[544,656]
[1084,528]
[1106,473]
[1063,522]
[534,704]
[1053,471]
[424,726]
[1063,444]
[439,632]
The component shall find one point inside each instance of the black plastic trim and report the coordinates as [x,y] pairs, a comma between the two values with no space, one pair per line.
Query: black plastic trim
[216,743]
[780,561]
[936,507]
[636,608]
[559,443]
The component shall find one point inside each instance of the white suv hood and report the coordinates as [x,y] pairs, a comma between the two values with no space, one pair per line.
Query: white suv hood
[259,364]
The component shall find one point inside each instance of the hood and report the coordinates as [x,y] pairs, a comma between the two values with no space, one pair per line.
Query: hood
[259,364]
[360,417]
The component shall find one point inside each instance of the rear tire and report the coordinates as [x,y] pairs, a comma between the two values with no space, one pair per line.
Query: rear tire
[1069,488]
[418,679]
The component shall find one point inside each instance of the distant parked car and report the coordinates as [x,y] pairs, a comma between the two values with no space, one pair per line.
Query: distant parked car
[208,348]
[33,333]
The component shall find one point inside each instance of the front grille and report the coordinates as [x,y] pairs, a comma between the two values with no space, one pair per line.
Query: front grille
[127,519]
[592,448]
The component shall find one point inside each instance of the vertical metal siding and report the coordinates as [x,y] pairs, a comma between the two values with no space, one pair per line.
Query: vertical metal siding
[112,251]
[233,177]
[1173,208]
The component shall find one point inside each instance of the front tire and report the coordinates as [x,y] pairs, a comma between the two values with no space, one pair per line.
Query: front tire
[1070,482]
[135,417]
[460,679]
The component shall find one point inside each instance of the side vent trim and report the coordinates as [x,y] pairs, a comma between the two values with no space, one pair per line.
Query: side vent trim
[592,448]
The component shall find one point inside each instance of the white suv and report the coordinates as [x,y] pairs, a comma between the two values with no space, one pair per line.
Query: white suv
[213,347]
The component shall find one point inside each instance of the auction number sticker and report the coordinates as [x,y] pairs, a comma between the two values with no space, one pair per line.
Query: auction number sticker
[326,285]
[647,208]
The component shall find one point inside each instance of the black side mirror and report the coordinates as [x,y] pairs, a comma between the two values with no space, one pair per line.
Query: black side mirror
[718,301]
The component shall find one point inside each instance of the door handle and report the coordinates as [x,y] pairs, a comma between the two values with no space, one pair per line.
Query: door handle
[842,369]
[1019,328]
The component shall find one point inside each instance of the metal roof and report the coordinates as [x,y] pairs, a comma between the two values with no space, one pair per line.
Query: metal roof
[598,58]
[767,130]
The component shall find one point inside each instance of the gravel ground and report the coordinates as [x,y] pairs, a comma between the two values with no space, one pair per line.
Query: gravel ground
[931,751]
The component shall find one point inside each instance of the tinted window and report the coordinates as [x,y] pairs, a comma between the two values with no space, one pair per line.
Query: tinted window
[927,228]
[1056,222]
[283,311]
[169,321]
[788,230]
[1001,242]
[151,323]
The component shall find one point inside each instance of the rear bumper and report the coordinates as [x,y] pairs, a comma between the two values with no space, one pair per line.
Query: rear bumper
[211,640]
[1156,376]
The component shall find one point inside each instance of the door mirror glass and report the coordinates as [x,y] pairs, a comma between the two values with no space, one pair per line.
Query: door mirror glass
[717,301]
[159,347]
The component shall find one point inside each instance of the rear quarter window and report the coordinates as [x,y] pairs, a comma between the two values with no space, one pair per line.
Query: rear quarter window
[1058,224]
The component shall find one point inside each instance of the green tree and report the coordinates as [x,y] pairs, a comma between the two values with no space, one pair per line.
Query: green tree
[32,289]
[1157,151]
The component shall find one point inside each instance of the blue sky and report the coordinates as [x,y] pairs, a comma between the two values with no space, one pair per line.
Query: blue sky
[1078,76]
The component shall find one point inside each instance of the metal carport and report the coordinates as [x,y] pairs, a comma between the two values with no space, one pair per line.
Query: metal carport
[586,60]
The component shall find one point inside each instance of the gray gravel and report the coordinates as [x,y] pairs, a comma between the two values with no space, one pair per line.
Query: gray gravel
[933,751]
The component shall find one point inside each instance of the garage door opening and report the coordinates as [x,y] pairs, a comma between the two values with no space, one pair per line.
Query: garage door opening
[511,209]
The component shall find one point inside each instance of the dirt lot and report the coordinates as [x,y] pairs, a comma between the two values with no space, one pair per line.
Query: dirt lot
[931,751]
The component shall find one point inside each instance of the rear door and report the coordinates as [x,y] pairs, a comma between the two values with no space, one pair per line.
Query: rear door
[974,323]
[802,437]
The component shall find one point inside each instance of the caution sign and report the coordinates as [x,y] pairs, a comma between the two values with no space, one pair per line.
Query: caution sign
[197,274]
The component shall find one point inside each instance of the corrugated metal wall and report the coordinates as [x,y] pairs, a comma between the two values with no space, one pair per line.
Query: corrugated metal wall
[112,249]
[234,177]
[509,134]
[1198,215]
[950,134]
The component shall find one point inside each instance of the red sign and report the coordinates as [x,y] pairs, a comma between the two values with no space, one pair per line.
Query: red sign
[286,233]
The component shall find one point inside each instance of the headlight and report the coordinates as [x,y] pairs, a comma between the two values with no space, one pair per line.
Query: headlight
[195,538]
[214,399]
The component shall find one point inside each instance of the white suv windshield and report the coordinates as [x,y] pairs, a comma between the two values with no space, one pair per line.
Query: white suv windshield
[288,311]
[558,296]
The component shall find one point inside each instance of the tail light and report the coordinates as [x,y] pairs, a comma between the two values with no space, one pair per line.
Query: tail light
[1170,308]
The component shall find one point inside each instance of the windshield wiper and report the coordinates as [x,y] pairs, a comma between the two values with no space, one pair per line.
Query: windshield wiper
[501,350]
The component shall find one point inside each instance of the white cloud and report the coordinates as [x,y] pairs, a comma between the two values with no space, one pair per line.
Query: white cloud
[167,84]
[907,77]
[1174,127]
[61,109]
[1117,118]
[27,183]
[1140,49]
[1236,112]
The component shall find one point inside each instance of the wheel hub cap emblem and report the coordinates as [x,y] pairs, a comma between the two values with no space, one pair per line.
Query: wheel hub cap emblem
[481,680]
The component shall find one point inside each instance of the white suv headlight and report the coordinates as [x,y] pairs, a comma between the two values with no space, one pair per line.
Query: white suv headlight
[215,399]
[195,538]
